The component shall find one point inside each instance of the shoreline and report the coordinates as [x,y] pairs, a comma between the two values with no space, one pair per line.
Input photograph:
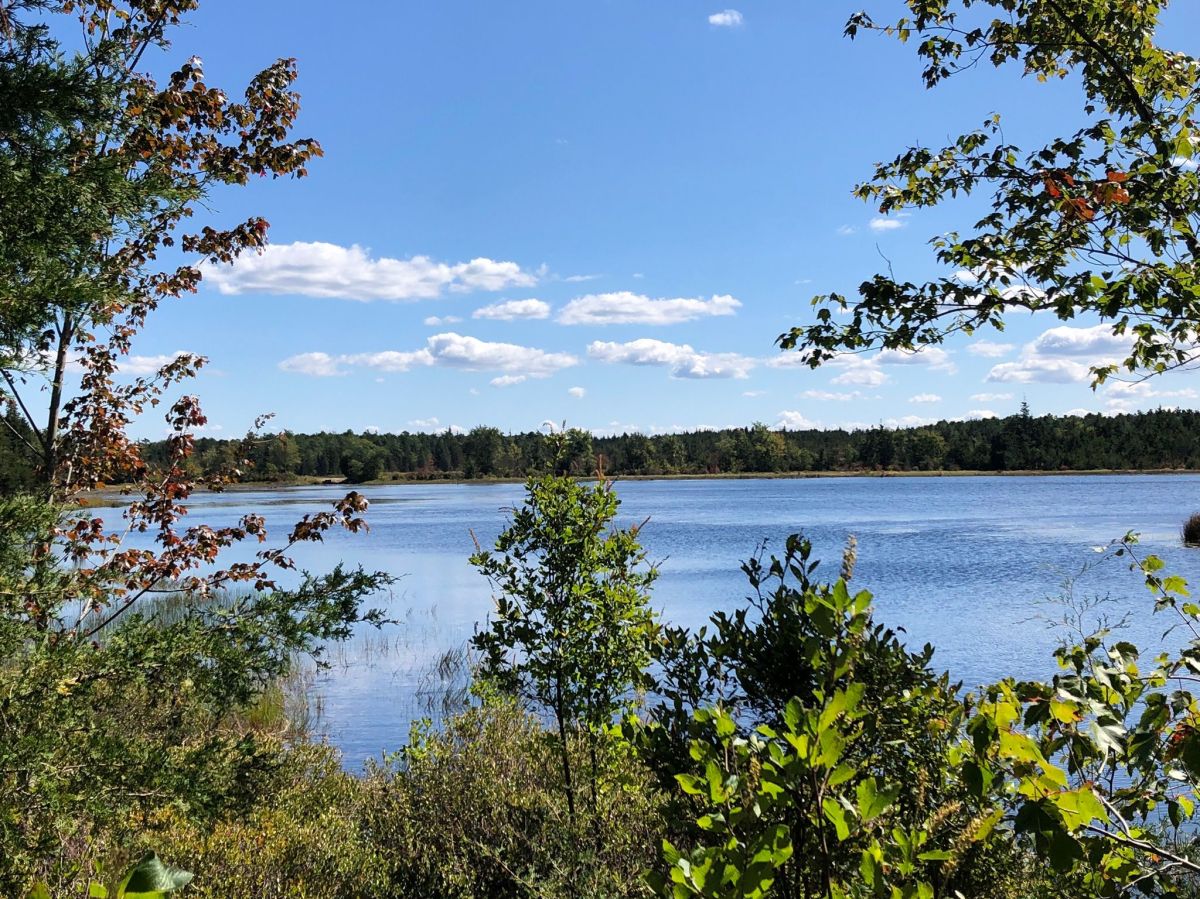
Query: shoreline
[114,492]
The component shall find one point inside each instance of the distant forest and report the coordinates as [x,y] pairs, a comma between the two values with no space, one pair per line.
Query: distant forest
[1163,439]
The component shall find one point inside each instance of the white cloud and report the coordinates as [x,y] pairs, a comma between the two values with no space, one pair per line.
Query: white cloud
[846,230]
[828,395]
[861,376]
[1095,342]
[576,279]
[627,308]
[425,424]
[1036,370]
[976,414]
[795,421]
[880,224]
[935,357]
[513,309]
[436,321]
[146,365]
[319,269]
[320,365]
[990,397]
[753,393]
[441,350]
[1063,355]
[508,380]
[728,18]
[925,398]
[867,371]
[908,421]
[1144,390]
[682,360]
[577,392]
[989,349]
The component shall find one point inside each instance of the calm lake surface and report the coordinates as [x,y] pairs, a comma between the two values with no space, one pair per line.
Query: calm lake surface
[968,564]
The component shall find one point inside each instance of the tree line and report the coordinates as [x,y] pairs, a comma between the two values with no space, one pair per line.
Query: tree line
[1160,439]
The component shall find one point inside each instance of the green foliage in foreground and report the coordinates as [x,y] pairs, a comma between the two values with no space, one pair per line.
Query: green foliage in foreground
[572,630]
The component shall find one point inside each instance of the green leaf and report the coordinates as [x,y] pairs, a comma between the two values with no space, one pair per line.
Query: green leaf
[835,813]
[1079,807]
[873,802]
[150,878]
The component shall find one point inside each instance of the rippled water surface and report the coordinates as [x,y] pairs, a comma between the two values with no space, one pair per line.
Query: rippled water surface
[967,564]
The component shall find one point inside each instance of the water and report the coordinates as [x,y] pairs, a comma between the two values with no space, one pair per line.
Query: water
[967,564]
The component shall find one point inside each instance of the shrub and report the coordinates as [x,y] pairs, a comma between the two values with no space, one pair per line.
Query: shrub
[803,666]
[1191,531]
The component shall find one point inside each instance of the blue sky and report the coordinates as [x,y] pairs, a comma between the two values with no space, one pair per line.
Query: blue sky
[602,213]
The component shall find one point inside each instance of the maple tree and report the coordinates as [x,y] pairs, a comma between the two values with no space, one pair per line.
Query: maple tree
[1104,221]
[125,648]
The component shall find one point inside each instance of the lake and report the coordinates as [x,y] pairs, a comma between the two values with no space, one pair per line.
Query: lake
[968,564]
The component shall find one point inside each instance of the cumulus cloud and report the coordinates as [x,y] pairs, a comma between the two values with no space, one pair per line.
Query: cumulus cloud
[436,321]
[320,365]
[753,393]
[680,359]
[791,420]
[934,357]
[976,414]
[990,397]
[577,392]
[1095,342]
[317,269]
[447,350]
[925,398]
[1044,371]
[880,224]
[147,365]
[989,349]
[513,309]
[907,421]
[861,376]
[1063,355]
[508,380]
[727,18]
[830,395]
[1146,390]
[627,308]
[425,424]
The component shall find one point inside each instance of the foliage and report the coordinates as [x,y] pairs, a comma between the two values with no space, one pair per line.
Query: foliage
[1100,765]
[572,628]
[111,708]
[1191,531]
[148,879]
[1100,222]
[100,166]
[472,810]
[819,713]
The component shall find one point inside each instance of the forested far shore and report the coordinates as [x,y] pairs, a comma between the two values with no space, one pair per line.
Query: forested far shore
[1158,440]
